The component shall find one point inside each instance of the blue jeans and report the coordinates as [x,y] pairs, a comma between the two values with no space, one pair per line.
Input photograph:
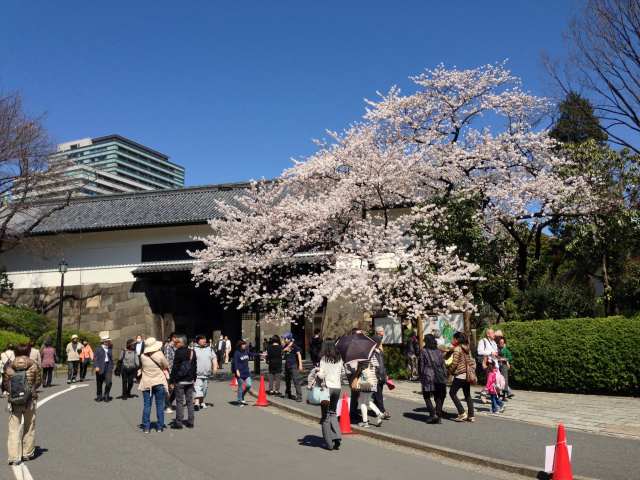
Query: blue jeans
[158,392]
[496,403]
[242,383]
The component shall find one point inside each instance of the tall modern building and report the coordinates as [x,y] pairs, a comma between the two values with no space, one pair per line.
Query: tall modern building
[115,164]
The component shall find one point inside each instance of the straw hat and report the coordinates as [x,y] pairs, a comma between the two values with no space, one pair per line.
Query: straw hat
[74,337]
[152,345]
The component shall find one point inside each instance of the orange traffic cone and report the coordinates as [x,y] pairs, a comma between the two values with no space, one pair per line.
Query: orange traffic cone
[262,394]
[234,382]
[561,460]
[345,417]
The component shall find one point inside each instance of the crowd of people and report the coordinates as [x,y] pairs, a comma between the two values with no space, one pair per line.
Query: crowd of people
[175,375]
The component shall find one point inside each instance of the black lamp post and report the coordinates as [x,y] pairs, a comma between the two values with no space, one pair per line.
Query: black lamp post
[62,268]
[256,359]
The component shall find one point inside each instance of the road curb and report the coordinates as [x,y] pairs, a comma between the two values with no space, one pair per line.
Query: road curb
[479,460]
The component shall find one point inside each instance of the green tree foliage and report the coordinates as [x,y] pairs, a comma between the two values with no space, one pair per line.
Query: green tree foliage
[576,122]
[11,338]
[583,355]
[23,321]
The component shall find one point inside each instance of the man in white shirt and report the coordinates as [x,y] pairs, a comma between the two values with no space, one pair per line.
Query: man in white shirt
[487,348]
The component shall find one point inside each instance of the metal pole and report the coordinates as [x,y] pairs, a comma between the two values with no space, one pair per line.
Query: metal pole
[59,331]
[256,359]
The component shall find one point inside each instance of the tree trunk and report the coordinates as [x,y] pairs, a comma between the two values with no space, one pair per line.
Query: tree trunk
[607,286]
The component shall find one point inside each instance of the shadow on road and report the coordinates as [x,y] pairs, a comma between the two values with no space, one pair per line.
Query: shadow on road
[312,441]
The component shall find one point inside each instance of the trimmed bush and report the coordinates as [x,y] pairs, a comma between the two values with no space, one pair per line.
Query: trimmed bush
[14,338]
[582,355]
[93,339]
[395,362]
[24,321]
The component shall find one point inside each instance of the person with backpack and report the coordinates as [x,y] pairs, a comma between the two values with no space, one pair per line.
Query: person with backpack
[182,379]
[433,376]
[104,370]
[274,360]
[49,360]
[128,366]
[21,379]
[463,369]
[381,371]
[154,369]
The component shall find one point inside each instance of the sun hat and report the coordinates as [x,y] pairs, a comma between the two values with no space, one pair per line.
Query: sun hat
[74,336]
[105,338]
[152,345]
[288,336]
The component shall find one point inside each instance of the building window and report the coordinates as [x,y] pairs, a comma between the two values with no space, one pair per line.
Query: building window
[164,252]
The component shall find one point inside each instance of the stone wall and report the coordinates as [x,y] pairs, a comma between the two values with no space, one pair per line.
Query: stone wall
[122,309]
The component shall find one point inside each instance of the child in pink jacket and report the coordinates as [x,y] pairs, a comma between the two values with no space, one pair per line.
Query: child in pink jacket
[492,376]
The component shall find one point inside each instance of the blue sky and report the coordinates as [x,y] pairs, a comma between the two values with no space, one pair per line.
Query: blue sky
[234,90]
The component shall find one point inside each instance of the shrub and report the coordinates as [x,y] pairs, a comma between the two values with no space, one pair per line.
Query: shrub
[24,321]
[93,339]
[11,337]
[395,362]
[583,355]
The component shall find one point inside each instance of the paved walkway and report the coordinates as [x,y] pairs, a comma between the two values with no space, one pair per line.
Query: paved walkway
[615,416]
[594,455]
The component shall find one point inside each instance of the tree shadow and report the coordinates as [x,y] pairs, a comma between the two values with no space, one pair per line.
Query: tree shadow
[312,441]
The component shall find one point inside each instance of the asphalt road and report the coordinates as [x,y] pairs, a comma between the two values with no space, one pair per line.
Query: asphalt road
[80,439]
[595,456]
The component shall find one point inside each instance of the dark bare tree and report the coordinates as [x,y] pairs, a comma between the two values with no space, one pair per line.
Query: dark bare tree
[604,62]
[26,171]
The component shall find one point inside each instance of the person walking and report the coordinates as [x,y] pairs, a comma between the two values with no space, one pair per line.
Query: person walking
[315,346]
[433,376]
[129,364]
[21,379]
[381,372]
[463,369]
[365,381]
[487,349]
[139,348]
[292,367]
[34,354]
[154,369]
[505,358]
[169,351]
[411,351]
[492,387]
[182,378]
[74,347]
[221,347]
[86,357]
[240,365]
[227,349]
[5,358]
[330,373]
[274,361]
[104,370]
[49,360]
[206,365]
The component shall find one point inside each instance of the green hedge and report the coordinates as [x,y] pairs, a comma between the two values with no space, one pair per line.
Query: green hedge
[14,338]
[24,321]
[395,362]
[583,355]
[93,339]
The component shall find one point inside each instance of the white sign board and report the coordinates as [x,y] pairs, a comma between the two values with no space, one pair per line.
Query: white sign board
[446,324]
[392,329]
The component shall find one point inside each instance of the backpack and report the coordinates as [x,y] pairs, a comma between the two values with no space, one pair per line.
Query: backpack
[20,392]
[186,368]
[129,360]
[500,384]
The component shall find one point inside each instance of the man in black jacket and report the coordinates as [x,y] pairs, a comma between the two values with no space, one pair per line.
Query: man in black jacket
[103,363]
[181,379]
[315,347]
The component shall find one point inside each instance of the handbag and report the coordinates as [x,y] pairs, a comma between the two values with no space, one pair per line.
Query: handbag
[317,395]
[470,363]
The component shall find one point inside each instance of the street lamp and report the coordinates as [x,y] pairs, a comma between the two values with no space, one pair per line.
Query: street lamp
[62,268]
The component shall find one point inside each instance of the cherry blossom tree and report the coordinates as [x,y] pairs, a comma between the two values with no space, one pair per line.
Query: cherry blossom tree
[356,219]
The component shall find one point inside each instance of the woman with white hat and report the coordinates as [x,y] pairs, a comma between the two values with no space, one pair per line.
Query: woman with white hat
[154,370]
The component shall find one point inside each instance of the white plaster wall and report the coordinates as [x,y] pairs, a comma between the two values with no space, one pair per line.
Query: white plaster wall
[97,257]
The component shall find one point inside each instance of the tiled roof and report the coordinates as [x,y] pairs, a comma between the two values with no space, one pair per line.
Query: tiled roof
[141,209]
[184,266]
